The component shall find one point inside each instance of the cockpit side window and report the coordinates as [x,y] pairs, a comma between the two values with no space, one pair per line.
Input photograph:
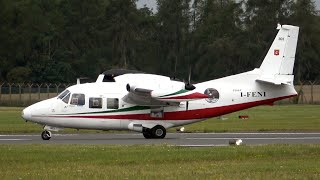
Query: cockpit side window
[78,99]
[63,94]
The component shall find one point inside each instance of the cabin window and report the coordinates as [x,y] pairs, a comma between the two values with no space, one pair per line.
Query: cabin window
[78,99]
[95,102]
[112,103]
[66,98]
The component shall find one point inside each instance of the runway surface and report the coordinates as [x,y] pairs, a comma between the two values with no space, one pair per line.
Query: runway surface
[180,139]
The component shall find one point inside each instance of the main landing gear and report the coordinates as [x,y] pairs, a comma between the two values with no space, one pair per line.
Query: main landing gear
[46,135]
[157,132]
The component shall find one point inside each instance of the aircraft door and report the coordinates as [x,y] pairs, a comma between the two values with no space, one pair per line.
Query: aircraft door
[112,105]
[77,103]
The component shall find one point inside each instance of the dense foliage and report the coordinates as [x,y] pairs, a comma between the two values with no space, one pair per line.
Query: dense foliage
[59,40]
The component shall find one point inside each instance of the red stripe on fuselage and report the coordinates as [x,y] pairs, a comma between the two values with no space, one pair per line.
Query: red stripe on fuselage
[183,115]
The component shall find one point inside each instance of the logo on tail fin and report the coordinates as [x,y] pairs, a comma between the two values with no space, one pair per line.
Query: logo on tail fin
[276,52]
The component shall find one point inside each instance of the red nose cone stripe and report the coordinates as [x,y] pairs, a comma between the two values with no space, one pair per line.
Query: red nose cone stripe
[189,96]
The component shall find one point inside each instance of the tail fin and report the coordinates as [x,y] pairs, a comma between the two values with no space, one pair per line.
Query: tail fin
[277,66]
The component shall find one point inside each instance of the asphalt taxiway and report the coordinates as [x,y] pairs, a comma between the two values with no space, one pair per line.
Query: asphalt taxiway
[179,139]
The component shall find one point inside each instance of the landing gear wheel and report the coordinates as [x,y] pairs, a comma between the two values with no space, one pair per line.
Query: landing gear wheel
[158,132]
[46,135]
[147,135]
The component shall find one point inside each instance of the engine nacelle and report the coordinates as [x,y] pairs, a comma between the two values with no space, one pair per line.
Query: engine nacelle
[130,88]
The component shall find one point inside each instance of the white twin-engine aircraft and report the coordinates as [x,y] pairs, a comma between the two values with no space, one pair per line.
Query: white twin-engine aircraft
[150,104]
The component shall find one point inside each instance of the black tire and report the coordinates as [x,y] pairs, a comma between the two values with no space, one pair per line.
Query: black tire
[158,132]
[147,135]
[46,135]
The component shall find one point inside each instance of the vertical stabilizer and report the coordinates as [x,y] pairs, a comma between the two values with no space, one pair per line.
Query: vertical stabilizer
[280,58]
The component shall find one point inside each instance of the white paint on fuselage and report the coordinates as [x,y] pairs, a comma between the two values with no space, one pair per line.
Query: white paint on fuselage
[230,89]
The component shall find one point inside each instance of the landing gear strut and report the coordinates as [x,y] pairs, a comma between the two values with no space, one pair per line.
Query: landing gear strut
[46,135]
[157,132]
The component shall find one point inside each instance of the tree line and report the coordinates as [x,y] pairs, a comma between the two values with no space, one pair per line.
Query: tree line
[60,40]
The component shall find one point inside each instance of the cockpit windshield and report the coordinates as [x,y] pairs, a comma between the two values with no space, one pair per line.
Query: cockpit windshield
[66,98]
[63,94]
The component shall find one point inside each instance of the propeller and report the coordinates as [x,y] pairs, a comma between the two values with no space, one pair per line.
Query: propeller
[188,85]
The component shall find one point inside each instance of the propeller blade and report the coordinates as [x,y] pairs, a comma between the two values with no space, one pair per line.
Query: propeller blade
[189,79]
[188,85]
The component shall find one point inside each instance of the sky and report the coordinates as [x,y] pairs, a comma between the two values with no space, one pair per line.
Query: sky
[149,3]
[318,4]
[153,4]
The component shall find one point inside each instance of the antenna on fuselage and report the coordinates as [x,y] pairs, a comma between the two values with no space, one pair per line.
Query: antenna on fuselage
[81,78]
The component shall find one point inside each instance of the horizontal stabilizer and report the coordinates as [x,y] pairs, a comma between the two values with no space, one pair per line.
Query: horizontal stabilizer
[277,80]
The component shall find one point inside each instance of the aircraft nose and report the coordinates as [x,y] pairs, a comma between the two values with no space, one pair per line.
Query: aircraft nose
[26,113]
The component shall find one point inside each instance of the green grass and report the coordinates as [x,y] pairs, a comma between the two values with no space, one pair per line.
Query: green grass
[263,118]
[12,122]
[159,162]
[167,162]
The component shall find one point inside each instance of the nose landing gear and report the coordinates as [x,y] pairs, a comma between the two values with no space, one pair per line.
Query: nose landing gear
[46,135]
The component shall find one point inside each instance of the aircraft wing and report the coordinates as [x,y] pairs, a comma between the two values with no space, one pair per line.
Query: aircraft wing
[142,97]
[160,97]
